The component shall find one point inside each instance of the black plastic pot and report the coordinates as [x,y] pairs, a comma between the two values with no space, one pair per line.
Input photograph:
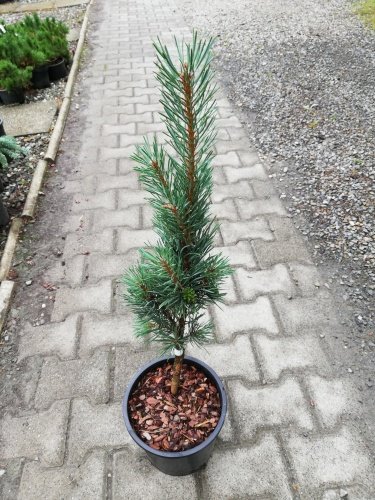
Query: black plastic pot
[57,70]
[40,77]
[2,129]
[15,96]
[4,216]
[178,463]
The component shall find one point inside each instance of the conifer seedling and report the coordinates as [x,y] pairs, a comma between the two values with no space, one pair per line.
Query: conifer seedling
[173,283]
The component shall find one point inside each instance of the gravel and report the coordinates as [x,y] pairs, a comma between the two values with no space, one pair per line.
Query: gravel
[303,74]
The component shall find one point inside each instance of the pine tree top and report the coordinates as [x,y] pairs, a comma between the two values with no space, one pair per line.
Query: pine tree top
[174,282]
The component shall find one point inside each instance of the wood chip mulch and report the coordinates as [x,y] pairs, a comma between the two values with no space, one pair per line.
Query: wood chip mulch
[174,423]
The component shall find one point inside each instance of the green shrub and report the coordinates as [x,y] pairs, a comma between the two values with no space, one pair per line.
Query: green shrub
[13,77]
[9,150]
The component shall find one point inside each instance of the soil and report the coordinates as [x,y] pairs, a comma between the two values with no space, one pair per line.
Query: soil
[174,423]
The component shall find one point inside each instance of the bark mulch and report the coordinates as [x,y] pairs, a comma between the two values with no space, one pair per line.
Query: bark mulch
[174,423]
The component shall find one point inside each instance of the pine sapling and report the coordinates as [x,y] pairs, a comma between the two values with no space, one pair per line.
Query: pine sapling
[174,282]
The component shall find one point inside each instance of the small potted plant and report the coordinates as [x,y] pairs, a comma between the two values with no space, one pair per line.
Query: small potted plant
[13,81]
[175,406]
[54,33]
[9,150]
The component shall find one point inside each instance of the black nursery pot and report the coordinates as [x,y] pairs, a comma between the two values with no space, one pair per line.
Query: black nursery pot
[178,463]
[40,77]
[57,69]
[15,96]
[2,129]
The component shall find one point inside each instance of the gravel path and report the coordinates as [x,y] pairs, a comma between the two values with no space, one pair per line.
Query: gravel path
[303,72]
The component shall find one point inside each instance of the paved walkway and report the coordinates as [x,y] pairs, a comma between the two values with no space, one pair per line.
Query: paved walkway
[290,431]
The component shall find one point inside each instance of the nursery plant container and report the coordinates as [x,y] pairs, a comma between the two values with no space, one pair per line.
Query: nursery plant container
[40,77]
[177,463]
[57,70]
[4,216]
[15,96]
[2,129]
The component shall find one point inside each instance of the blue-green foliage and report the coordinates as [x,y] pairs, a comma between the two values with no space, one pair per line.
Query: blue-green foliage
[175,281]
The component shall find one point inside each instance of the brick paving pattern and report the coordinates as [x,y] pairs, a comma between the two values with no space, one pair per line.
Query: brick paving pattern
[290,429]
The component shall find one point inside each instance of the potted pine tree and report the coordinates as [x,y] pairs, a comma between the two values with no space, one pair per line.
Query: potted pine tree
[175,406]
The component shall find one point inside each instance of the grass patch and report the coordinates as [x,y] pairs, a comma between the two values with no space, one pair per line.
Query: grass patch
[366,11]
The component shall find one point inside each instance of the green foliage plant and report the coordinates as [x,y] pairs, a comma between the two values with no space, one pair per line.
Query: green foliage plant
[174,282]
[13,77]
[9,150]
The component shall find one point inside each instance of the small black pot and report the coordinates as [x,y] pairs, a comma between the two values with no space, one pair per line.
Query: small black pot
[4,216]
[178,463]
[2,129]
[57,69]
[40,77]
[15,96]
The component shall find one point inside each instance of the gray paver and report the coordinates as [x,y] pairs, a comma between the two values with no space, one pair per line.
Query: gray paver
[129,466]
[241,189]
[339,458]
[257,315]
[289,353]
[50,339]
[275,280]
[253,208]
[94,426]
[233,232]
[28,119]
[78,483]
[240,254]
[70,300]
[39,435]
[272,406]
[245,472]
[76,378]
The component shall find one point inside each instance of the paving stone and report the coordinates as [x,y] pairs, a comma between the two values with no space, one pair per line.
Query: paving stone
[128,181]
[230,159]
[245,317]
[301,315]
[232,122]
[235,174]
[253,208]
[129,466]
[319,461]
[274,280]
[129,217]
[283,228]
[289,353]
[128,239]
[105,266]
[115,153]
[71,273]
[129,359]
[233,232]
[67,482]
[135,118]
[241,189]
[94,426]
[262,189]
[28,119]
[98,331]
[333,399]
[131,197]
[128,128]
[81,243]
[277,406]
[39,435]
[245,473]
[229,288]
[98,200]
[90,167]
[225,146]
[87,185]
[240,254]
[76,378]
[226,210]
[306,278]
[70,300]
[274,252]
[229,360]
[49,339]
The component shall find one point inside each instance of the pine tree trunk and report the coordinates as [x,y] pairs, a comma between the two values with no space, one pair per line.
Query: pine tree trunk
[177,366]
